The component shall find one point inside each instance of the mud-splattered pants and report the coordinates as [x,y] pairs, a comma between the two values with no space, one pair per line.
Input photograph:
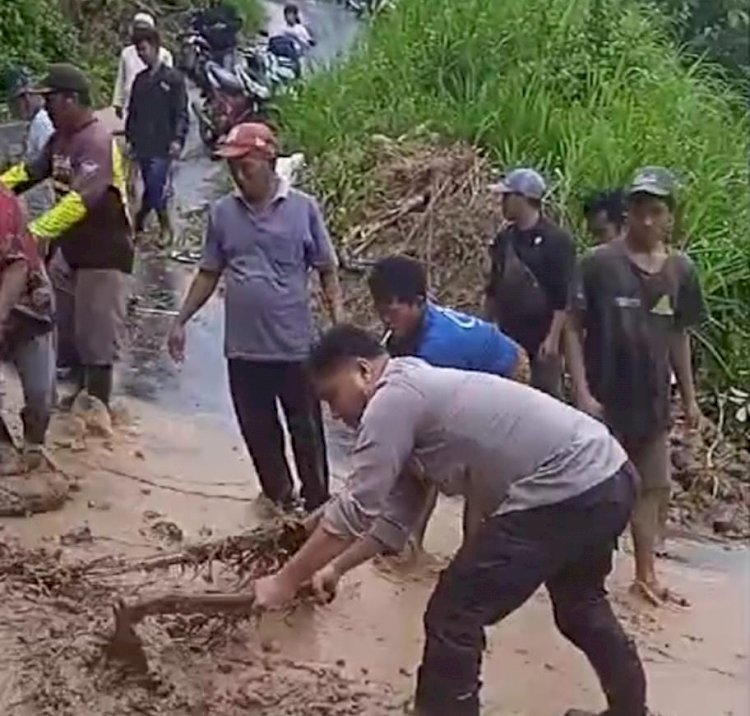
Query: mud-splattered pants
[567,547]
[35,362]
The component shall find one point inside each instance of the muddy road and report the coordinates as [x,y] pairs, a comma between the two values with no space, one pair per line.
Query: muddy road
[176,459]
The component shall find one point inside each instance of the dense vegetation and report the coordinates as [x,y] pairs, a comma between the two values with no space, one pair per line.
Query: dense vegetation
[587,90]
[718,29]
[87,32]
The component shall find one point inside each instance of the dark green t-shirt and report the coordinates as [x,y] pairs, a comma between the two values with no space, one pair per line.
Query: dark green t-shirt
[628,316]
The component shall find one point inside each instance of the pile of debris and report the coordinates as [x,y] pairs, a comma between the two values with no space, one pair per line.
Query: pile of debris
[56,624]
[429,200]
[711,478]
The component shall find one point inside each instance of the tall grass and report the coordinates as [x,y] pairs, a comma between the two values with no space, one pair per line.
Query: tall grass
[587,90]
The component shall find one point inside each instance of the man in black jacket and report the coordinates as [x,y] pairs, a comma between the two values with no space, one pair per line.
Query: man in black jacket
[156,128]
[532,268]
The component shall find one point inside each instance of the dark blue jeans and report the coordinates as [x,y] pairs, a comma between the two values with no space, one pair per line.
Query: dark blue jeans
[155,174]
[567,547]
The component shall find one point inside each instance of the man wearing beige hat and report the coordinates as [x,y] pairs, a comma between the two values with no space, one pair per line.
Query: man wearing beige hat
[265,238]
[131,64]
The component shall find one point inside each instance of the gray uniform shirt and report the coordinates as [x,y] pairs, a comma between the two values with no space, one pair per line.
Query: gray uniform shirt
[508,445]
[267,258]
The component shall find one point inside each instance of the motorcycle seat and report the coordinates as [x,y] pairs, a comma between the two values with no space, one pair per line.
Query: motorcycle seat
[224,78]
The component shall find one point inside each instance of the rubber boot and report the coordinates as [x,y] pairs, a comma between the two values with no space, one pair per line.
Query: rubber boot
[78,373]
[99,382]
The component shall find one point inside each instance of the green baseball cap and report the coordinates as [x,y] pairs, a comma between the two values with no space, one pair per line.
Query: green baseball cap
[656,181]
[64,77]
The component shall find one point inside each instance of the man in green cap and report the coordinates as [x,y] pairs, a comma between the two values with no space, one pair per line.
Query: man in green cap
[86,234]
[635,301]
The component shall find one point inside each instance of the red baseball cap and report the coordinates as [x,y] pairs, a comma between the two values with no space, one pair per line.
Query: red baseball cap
[250,138]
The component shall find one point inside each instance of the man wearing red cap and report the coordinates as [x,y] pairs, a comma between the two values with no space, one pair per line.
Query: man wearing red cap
[265,238]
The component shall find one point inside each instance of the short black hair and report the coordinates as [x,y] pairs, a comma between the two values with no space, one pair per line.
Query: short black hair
[398,278]
[341,344]
[611,202]
[147,34]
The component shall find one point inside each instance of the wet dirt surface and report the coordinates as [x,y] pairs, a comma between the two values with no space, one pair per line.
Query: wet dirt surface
[176,460]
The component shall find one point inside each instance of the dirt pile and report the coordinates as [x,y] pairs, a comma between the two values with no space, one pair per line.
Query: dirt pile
[56,622]
[429,200]
[711,492]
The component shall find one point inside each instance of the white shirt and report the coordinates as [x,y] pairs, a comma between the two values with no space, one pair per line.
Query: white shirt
[301,36]
[130,67]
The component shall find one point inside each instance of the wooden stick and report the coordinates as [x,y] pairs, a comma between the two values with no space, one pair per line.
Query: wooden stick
[186,604]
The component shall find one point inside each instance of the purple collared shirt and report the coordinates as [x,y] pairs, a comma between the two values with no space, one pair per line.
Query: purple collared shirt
[267,257]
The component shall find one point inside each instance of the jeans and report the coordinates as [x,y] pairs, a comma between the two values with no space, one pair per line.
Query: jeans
[255,388]
[566,546]
[35,362]
[155,175]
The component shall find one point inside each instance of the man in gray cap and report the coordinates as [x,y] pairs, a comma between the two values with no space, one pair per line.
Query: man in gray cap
[532,267]
[30,108]
[635,301]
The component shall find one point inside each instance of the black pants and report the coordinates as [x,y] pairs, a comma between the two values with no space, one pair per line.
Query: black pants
[255,387]
[568,547]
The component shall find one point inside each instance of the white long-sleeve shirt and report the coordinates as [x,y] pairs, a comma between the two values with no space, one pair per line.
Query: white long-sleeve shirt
[129,68]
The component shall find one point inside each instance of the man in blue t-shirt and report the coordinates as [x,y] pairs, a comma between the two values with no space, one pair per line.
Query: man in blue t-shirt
[440,336]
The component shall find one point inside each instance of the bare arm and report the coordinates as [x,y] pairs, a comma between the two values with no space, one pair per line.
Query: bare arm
[201,289]
[551,344]
[681,359]
[321,548]
[332,296]
[573,346]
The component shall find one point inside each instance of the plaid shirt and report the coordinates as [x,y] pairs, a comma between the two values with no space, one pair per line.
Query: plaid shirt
[36,304]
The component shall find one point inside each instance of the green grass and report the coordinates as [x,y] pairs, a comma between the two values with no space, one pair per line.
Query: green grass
[252,13]
[586,90]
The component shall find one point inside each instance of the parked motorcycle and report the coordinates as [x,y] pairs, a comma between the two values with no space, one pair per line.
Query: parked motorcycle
[233,97]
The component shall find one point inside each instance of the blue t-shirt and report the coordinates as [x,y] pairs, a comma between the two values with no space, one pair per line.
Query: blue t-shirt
[451,339]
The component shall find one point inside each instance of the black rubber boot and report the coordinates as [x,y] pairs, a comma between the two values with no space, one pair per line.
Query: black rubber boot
[78,375]
[99,379]
[35,425]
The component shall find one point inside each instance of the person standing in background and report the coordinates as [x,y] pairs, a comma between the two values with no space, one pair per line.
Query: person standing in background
[89,224]
[635,301]
[30,107]
[156,129]
[266,238]
[131,64]
[297,30]
[129,67]
[532,263]
[605,215]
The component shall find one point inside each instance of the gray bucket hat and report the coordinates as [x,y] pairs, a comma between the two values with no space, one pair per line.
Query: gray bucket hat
[524,181]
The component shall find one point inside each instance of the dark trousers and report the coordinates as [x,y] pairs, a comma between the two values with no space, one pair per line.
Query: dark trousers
[568,547]
[255,388]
